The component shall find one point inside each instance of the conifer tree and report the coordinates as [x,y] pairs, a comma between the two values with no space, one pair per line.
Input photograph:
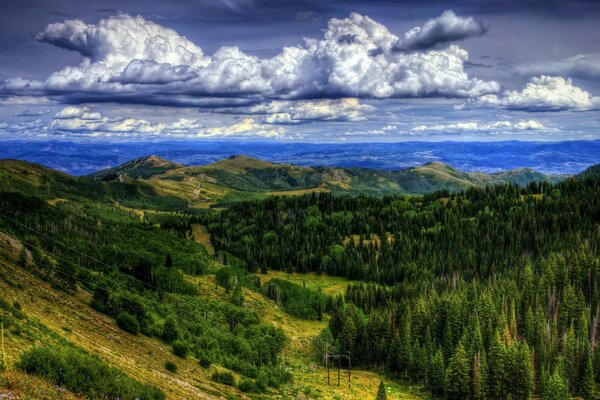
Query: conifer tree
[458,375]
[381,394]
[587,386]
[437,374]
[556,388]
[496,367]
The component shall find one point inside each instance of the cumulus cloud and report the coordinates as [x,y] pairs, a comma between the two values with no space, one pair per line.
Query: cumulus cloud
[543,93]
[523,125]
[134,59]
[246,127]
[448,27]
[75,120]
[303,111]
[584,66]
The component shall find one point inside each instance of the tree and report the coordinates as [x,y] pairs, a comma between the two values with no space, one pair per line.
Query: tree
[237,297]
[169,261]
[170,331]
[556,388]
[587,386]
[458,375]
[437,374]
[381,394]
[496,367]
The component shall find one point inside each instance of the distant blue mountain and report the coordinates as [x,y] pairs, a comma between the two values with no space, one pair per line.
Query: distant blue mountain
[568,157]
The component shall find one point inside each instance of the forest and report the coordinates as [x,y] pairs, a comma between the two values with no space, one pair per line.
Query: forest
[482,294]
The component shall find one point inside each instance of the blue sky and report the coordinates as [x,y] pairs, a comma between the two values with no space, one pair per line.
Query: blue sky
[347,71]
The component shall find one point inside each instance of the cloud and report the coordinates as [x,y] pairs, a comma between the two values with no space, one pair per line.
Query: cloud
[303,111]
[475,126]
[74,112]
[543,93]
[131,59]
[24,100]
[448,27]
[584,66]
[246,127]
[383,130]
[82,121]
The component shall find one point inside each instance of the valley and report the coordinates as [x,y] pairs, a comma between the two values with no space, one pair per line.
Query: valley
[235,279]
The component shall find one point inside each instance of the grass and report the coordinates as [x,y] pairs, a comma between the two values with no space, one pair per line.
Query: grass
[54,316]
[18,385]
[202,236]
[330,285]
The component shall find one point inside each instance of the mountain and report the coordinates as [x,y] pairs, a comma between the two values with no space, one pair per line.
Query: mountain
[144,167]
[594,170]
[108,289]
[247,174]
[166,185]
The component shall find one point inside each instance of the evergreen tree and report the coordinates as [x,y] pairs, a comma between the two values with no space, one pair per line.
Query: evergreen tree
[437,374]
[458,375]
[587,385]
[496,367]
[381,393]
[237,296]
[556,388]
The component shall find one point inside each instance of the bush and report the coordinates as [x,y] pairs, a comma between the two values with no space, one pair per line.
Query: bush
[171,366]
[226,378]
[248,386]
[85,374]
[180,349]
[128,323]
[205,362]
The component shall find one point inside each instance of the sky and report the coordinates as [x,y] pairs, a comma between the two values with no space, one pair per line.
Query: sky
[300,71]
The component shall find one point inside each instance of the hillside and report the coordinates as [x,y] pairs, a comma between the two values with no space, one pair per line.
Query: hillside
[239,177]
[173,302]
[89,277]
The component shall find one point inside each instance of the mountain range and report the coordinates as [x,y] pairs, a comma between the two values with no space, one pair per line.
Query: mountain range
[239,177]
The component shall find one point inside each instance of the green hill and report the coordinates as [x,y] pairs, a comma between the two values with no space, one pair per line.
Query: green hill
[238,176]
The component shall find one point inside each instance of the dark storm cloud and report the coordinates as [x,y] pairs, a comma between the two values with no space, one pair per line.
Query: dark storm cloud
[448,27]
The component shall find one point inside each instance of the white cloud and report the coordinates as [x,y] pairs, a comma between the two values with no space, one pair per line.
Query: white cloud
[302,111]
[543,93]
[585,66]
[73,112]
[522,125]
[445,28]
[24,100]
[246,127]
[132,58]
[383,130]
[75,120]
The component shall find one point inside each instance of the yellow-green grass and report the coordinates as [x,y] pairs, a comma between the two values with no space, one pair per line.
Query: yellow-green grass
[300,192]
[331,285]
[202,236]
[71,317]
[17,385]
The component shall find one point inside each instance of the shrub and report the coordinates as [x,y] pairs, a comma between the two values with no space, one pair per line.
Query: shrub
[226,378]
[171,366]
[180,348]
[85,374]
[205,362]
[128,323]
[248,386]
[170,331]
